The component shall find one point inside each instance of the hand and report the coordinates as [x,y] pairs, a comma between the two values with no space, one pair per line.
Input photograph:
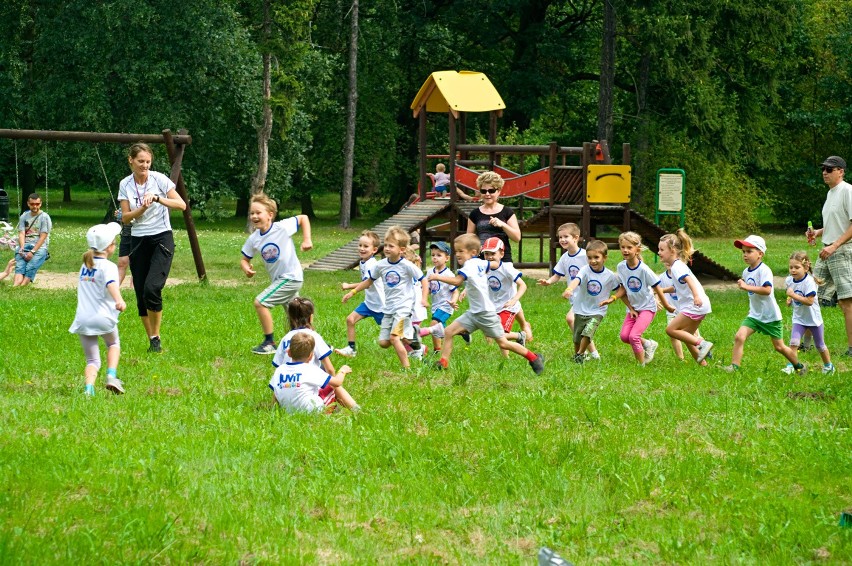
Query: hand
[827,251]
[789,301]
[544,282]
[346,286]
[463,295]
[741,284]
[347,296]
[633,314]
[568,293]
[669,307]
[497,223]
[424,303]
[432,277]
[149,198]
[511,303]
[345,370]
[307,245]
[697,302]
[249,271]
[120,306]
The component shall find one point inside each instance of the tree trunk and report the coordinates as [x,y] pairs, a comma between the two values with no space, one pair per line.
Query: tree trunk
[264,131]
[605,122]
[66,192]
[351,110]
[307,205]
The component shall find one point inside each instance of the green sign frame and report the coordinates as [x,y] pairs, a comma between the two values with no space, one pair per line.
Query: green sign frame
[671,195]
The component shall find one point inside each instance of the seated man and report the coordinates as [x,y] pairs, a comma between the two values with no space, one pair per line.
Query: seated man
[33,238]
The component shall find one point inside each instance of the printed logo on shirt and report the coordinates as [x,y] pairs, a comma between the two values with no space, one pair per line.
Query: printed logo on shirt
[594,287]
[270,253]
[751,281]
[494,284]
[634,284]
[87,274]
[434,287]
[798,293]
[392,279]
[288,380]
[573,270]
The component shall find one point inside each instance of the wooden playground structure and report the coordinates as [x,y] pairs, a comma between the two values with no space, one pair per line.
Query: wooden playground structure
[569,184]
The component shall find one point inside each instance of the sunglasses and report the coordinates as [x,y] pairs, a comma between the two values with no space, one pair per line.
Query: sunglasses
[489,191]
[829,169]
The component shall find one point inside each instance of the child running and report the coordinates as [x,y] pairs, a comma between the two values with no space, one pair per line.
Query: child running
[590,291]
[675,250]
[667,287]
[569,266]
[481,315]
[419,314]
[506,288]
[374,296]
[98,304]
[443,296]
[764,315]
[802,294]
[639,284]
[398,275]
[300,386]
[273,241]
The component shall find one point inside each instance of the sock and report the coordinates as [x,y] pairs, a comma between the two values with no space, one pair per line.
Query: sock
[111,372]
[530,355]
[425,331]
[270,338]
[444,363]
[152,337]
[90,389]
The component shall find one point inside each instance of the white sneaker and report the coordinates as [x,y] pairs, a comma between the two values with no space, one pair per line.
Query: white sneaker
[437,330]
[114,384]
[347,352]
[704,349]
[417,354]
[650,349]
[789,369]
[828,368]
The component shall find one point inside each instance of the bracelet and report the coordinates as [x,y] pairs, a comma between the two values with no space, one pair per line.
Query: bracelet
[158,198]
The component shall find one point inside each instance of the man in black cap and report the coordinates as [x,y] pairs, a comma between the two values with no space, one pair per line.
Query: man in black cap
[834,265]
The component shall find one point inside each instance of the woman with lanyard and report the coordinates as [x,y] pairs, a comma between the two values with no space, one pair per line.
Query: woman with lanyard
[146,197]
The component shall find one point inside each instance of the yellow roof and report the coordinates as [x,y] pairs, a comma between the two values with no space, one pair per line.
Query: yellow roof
[463,91]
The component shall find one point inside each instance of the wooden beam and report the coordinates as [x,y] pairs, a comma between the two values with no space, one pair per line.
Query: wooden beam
[58,135]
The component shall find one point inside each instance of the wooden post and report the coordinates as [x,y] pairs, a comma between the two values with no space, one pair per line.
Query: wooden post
[588,157]
[625,160]
[454,211]
[176,158]
[492,137]
[551,221]
[424,179]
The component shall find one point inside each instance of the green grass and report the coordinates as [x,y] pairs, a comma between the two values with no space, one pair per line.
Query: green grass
[482,464]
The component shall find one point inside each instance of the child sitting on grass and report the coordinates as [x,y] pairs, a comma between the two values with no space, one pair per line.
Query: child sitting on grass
[590,294]
[481,315]
[374,296]
[764,315]
[301,386]
[807,316]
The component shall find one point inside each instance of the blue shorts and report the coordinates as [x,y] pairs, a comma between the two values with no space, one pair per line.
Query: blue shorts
[365,311]
[442,188]
[441,316]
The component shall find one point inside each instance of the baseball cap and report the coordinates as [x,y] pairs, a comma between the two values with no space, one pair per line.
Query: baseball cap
[834,161]
[752,242]
[492,245]
[443,246]
[101,236]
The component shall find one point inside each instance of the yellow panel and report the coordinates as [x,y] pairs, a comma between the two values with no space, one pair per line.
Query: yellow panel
[608,183]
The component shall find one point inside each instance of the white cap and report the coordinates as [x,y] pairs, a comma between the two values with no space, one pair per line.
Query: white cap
[752,242]
[101,236]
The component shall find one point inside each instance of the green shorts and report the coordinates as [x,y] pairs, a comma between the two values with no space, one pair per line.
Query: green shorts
[773,329]
[585,326]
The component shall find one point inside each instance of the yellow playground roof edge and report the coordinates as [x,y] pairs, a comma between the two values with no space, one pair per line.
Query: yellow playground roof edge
[457,91]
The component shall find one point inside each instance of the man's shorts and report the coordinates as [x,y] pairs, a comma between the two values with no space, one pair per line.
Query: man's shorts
[836,269]
[395,324]
[507,319]
[441,316]
[366,312]
[280,292]
[585,326]
[774,329]
[487,322]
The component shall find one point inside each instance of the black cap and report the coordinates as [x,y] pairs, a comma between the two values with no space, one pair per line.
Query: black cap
[835,161]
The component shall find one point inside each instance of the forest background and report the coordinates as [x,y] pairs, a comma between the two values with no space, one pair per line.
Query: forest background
[748,97]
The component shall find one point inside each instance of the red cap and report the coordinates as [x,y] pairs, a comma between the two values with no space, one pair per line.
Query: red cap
[492,244]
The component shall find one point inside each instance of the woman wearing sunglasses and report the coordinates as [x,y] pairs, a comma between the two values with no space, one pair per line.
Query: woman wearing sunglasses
[493,219]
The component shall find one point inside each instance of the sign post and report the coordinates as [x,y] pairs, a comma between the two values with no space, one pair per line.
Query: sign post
[671,195]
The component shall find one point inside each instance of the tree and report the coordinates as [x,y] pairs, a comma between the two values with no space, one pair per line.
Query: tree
[351,112]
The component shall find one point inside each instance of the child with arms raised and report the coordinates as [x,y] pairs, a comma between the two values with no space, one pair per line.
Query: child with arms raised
[569,266]
[802,294]
[98,304]
[374,296]
[398,275]
[590,291]
[764,315]
[481,315]
[273,241]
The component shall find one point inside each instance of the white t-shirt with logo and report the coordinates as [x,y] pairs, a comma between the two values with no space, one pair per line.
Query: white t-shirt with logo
[502,283]
[296,387]
[441,292]
[96,314]
[569,265]
[761,307]
[476,283]
[667,281]
[321,348]
[276,249]
[639,282]
[155,220]
[374,295]
[595,286]
[806,315]
[685,300]
[398,278]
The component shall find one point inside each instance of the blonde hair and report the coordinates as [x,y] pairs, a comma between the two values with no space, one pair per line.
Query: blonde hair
[490,178]
[597,246]
[802,257]
[412,255]
[468,242]
[681,243]
[266,203]
[569,227]
[89,258]
[631,238]
[374,238]
[398,236]
[440,168]
[301,347]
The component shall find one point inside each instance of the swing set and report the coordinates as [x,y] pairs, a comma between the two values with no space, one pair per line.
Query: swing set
[175,146]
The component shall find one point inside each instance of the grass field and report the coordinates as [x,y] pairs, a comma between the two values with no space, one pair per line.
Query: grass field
[482,464]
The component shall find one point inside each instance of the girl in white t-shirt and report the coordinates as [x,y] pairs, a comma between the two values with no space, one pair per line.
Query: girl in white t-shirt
[98,304]
[675,251]
[802,295]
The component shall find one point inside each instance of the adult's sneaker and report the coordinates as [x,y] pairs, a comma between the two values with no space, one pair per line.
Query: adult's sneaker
[538,364]
[264,349]
[650,349]
[704,349]
[347,352]
[522,338]
[155,347]
[828,368]
[114,384]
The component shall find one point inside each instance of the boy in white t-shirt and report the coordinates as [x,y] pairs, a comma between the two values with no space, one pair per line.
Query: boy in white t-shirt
[764,314]
[507,287]
[301,386]
[590,291]
[374,297]
[444,296]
